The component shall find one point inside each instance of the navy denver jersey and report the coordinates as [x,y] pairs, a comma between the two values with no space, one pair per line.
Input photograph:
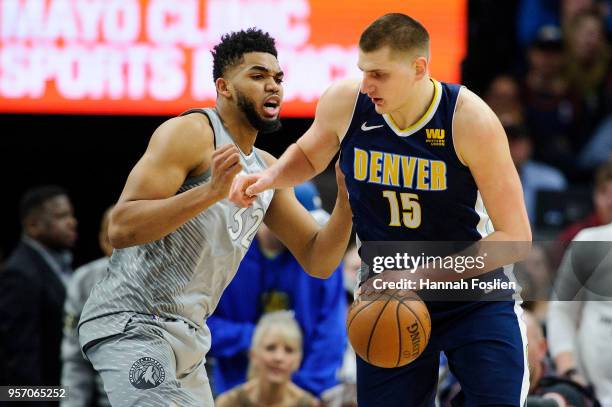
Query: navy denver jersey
[409,184]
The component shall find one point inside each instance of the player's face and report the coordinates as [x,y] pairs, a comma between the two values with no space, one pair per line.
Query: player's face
[258,91]
[276,358]
[388,78]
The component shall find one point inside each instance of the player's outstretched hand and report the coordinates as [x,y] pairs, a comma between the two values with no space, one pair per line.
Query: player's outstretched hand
[246,187]
[225,166]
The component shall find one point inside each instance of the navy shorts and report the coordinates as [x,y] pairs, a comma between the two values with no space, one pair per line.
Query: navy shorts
[485,344]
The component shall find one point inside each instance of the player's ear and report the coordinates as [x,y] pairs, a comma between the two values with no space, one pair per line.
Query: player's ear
[223,87]
[420,67]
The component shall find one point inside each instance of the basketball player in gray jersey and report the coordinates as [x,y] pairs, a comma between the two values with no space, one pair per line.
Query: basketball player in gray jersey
[179,241]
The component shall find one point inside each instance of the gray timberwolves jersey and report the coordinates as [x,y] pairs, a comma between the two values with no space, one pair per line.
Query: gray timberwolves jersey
[182,275]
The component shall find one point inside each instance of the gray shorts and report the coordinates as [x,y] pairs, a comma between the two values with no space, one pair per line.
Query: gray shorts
[153,362]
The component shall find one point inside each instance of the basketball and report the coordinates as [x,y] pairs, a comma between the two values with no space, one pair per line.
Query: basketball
[390,330]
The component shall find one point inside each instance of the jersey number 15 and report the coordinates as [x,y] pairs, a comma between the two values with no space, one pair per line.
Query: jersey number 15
[410,211]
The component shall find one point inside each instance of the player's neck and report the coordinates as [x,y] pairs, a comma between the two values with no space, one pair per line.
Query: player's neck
[416,106]
[238,126]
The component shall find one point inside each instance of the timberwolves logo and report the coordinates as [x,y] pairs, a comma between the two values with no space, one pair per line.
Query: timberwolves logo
[147,373]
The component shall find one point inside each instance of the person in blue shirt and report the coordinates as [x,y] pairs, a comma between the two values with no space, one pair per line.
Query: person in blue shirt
[271,279]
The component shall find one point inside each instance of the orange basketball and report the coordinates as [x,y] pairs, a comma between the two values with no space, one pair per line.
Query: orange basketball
[389,330]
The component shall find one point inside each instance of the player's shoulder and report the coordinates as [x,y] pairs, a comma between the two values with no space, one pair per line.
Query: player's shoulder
[473,117]
[189,132]
[339,98]
[336,106]
[469,103]
[346,89]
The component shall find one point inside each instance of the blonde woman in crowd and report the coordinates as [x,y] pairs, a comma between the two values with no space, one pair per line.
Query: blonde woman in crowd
[276,352]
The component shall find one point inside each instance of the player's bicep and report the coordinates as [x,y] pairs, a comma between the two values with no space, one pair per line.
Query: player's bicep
[175,149]
[476,126]
[291,223]
[151,179]
[319,143]
[322,140]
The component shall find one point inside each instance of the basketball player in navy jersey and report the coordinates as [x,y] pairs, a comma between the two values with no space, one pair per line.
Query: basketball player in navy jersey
[422,159]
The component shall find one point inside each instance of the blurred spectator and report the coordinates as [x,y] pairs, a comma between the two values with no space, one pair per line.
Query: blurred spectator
[33,287]
[86,386]
[580,317]
[588,74]
[599,148]
[536,270]
[270,279]
[274,355]
[345,393]
[549,107]
[504,98]
[602,198]
[534,14]
[546,388]
[588,53]
[536,351]
[535,176]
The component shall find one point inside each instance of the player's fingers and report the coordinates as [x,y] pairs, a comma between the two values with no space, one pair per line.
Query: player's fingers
[236,189]
[248,200]
[261,185]
[220,158]
[234,170]
[229,161]
[237,195]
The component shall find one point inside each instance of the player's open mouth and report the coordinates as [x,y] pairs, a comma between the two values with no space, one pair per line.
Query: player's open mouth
[377,101]
[271,106]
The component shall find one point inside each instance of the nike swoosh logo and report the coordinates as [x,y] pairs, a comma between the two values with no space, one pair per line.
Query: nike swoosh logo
[368,128]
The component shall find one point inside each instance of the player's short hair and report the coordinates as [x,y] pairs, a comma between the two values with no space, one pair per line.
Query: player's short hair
[282,322]
[229,52]
[34,199]
[603,174]
[398,31]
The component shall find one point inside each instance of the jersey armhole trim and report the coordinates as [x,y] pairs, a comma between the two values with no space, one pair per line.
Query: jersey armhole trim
[206,174]
[459,160]
[205,113]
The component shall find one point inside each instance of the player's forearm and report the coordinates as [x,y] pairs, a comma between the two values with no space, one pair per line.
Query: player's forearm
[292,168]
[143,221]
[330,243]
